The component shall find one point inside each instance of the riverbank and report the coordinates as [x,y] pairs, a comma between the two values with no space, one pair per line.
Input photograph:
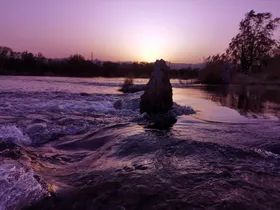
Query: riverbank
[254,79]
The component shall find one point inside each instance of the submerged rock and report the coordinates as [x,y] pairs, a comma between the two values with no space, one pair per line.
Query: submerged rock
[157,98]
[132,88]
[161,121]
[164,120]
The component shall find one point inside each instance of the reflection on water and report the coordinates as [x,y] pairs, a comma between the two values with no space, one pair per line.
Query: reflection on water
[248,101]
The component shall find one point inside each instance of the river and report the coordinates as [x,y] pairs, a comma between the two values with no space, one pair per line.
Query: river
[64,145]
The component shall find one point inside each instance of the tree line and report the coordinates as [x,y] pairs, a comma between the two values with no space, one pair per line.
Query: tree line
[26,63]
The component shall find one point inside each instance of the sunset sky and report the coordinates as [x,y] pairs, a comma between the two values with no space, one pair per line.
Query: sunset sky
[125,30]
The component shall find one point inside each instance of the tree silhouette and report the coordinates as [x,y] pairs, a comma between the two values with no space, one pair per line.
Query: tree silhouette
[5,52]
[255,42]
[76,58]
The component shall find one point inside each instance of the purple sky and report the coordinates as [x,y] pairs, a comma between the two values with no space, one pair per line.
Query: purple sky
[122,30]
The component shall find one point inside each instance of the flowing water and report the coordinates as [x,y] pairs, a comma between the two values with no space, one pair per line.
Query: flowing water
[65,145]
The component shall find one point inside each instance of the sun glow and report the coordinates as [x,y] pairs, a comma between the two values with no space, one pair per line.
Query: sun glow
[151,46]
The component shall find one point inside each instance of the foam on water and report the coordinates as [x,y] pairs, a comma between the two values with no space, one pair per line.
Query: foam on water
[266,153]
[41,133]
[98,105]
[18,187]
[14,134]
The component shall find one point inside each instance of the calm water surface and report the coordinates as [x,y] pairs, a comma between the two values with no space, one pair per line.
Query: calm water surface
[63,144]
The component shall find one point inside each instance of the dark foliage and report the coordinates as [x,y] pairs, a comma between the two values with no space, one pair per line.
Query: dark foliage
[217,70]
[25,63]
[185,74]
[255,43]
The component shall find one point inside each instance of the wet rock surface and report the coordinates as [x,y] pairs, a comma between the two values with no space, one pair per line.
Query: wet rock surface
[157,97]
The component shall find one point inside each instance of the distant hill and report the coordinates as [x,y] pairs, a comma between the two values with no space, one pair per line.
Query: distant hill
[186,65]
[171,65]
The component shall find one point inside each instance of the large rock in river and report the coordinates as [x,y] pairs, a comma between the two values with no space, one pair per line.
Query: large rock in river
[157,97]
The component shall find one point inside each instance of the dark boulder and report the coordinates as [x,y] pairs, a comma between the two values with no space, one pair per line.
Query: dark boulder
[132,88]
[157,98]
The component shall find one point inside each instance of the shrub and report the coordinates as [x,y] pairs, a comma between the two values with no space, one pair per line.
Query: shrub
[126,84]
[128,81]
[217,70]
[273,68]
